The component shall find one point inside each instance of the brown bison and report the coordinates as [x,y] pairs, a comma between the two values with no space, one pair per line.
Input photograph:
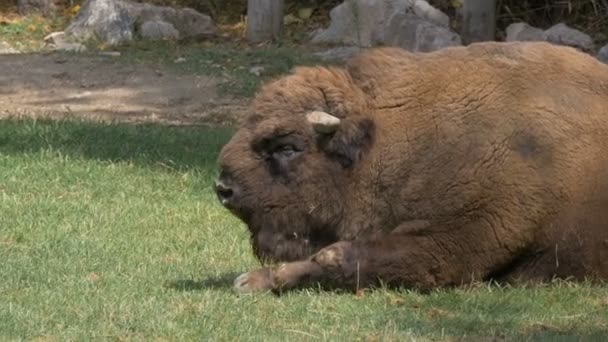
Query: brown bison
[424,170]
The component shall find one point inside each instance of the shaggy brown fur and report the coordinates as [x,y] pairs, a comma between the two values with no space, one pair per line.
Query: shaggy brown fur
[469,163]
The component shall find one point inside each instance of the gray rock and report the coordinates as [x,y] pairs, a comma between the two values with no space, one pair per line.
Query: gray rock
[366,23]
[192,24]
[523,32]
[563,35]
[188,22]
[114,22]
[256,70]
[602,55]
[158,30]
[424,10]
[415,34]
[110,53]
[7,49]
[58,41]
[559,34]
[105,20]
[55,38]
[353,22]
[338,54]
[71,47]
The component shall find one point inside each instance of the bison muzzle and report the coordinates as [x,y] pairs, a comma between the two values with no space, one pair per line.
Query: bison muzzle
[425,170]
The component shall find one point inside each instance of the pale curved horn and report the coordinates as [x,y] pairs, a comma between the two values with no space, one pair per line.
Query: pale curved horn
[323,122]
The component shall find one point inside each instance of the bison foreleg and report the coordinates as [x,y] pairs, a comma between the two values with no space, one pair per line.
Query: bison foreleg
[283,276]
[412,260]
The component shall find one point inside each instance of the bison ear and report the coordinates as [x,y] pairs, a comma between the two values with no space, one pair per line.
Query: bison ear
[344,140]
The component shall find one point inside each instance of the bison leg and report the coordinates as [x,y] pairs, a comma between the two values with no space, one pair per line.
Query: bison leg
[438,258]
[283,276]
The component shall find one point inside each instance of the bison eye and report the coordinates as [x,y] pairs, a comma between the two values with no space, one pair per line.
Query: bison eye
[284,151]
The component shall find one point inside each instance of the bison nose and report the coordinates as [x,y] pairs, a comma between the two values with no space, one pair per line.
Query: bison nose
[225,192]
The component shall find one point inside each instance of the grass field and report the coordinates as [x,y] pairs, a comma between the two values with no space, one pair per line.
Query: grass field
[112,232]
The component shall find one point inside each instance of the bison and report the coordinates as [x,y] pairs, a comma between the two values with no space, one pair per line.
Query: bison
[425,170]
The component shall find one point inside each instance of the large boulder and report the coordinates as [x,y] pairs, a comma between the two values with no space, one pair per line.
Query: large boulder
[411,24]
[158,30]
[354,22]
[559,34]
[188,22]
[118,21]
[602,54]
[523,32]
[105,20]
[415,34]
[564,35]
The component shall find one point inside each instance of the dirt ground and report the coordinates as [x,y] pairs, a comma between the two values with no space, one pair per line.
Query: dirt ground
[105,88]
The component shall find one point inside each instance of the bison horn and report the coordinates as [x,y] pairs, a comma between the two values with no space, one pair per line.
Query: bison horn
[323,122]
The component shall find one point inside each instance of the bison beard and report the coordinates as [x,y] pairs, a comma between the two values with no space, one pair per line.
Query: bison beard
[276,238]
[412,170]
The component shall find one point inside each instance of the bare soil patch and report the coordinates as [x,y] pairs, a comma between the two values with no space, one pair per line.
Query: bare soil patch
[106,88]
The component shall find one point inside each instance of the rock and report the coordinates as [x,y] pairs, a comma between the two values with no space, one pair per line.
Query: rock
[256,70]
[366,23]
[70,47]
[353,22]
[59,42]
[564,35]
[338,54]
[424,10]
[158,30]
[192,24]
[523,32]
[114,22]
[55,38]
[110,53]
[105,20]
[7,49]
[414,34]
[559,34]
[602,55]
[188,22]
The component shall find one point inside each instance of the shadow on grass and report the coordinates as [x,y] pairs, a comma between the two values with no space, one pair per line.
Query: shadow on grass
[149,145]
[223,281]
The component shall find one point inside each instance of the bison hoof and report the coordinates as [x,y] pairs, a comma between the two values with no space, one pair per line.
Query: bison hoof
[254,281]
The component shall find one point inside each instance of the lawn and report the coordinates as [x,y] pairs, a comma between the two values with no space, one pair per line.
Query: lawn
[112,232]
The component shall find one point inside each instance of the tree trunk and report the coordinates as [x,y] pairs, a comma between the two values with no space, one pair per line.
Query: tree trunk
[44,7]
[264,20]
[479,22]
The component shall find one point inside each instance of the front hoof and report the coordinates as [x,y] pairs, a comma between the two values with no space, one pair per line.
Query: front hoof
[254,281]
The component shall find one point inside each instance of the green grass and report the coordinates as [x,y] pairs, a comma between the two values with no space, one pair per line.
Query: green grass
[27,33]
[112,232]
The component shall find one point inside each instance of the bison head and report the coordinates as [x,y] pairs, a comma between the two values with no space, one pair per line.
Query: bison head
[286,172]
